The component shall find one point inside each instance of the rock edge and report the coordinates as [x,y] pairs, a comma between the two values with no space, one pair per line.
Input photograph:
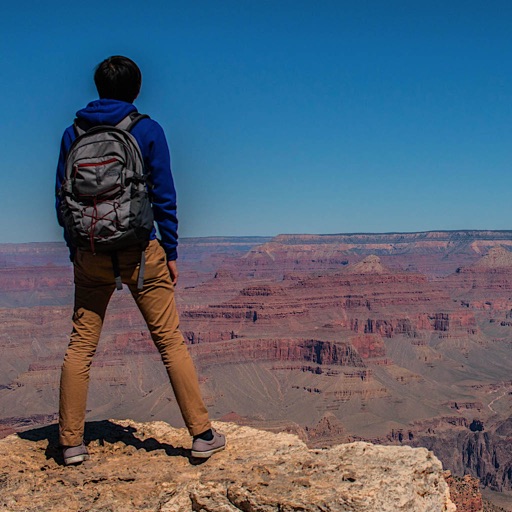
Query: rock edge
[148,466]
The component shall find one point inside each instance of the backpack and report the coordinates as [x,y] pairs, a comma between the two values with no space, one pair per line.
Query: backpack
[105,204]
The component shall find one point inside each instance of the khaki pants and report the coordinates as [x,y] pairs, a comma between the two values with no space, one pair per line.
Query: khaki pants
[94,285]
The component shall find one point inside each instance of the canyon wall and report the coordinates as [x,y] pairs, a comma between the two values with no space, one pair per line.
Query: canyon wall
[393,338]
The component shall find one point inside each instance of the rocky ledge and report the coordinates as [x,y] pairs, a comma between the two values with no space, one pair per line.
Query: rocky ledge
[148,466]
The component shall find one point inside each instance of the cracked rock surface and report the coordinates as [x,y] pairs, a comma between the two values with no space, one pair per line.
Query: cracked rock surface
[148,466]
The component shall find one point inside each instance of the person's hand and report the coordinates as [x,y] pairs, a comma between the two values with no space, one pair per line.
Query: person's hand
[173,271]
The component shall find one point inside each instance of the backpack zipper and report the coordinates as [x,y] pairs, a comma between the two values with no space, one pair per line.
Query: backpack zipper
[96,164]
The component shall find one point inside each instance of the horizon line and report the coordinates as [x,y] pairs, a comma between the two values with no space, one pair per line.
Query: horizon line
[353,233]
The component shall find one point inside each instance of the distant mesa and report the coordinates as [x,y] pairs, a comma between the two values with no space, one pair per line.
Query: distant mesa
[497,257]
[369,265]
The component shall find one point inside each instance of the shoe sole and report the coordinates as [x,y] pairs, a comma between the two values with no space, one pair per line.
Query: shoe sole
[208,454]
[77,459]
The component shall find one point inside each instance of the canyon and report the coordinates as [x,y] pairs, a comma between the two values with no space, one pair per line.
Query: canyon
[394,338]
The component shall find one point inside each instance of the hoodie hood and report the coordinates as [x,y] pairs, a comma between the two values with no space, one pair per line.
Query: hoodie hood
[105,111]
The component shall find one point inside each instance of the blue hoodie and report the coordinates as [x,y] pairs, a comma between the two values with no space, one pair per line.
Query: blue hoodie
[155,152]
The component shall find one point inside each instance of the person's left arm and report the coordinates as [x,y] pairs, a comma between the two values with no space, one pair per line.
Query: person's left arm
[157,161]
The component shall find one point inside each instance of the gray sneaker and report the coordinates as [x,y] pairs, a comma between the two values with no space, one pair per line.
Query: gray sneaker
[75,454]
[204,449]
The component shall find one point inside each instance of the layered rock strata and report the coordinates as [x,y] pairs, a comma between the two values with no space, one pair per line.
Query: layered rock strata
[436,253]
[397,338]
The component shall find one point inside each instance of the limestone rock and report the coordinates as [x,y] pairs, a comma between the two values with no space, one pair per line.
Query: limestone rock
[148,466]
[497,257]
[369,265]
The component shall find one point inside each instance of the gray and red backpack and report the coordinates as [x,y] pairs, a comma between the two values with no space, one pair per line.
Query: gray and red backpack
[105,203]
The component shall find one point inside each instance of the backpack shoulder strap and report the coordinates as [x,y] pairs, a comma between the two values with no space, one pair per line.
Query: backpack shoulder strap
[80,126]
[130,121]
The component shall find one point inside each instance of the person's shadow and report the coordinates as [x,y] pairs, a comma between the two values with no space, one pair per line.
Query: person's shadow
[104,431]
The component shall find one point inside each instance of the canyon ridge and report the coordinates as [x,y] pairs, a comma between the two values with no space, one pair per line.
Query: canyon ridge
[396,338]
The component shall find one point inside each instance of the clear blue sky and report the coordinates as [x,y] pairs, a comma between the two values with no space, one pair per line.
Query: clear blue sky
[282,116]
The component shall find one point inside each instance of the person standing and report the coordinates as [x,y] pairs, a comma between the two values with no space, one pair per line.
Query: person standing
[151,273]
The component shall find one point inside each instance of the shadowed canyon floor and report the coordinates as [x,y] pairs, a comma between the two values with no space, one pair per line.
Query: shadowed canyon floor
[391,338]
